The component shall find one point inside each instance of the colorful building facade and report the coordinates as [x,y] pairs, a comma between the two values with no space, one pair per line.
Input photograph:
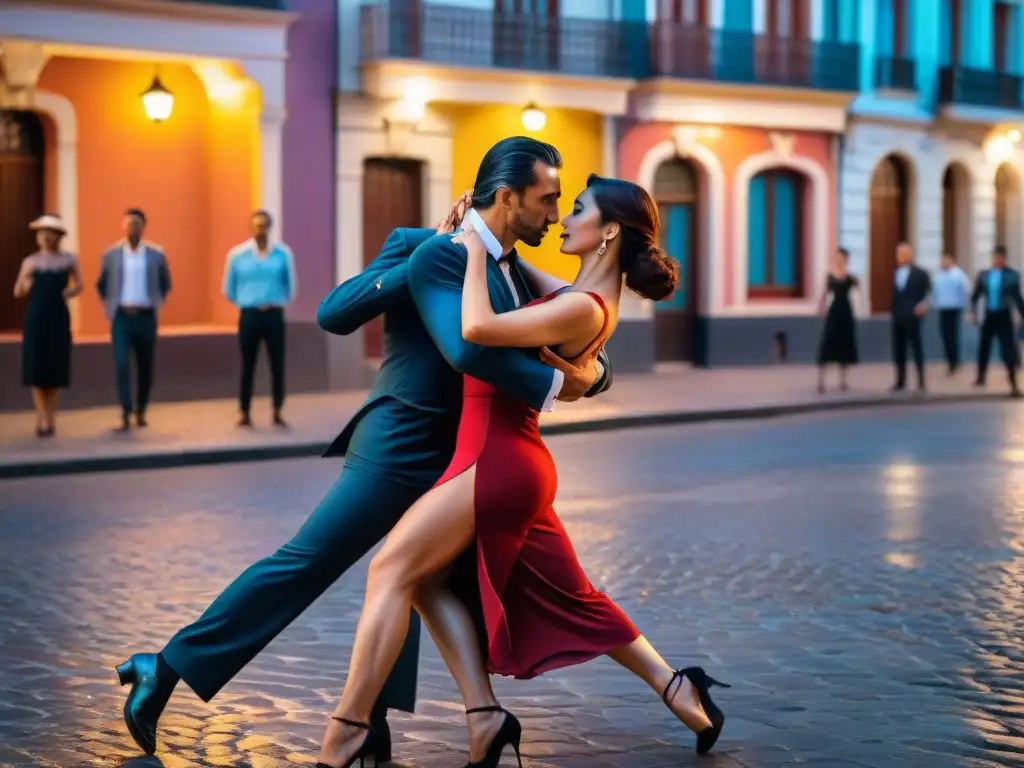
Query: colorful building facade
[427,88]
[250,128]
[728,112]
[932,154]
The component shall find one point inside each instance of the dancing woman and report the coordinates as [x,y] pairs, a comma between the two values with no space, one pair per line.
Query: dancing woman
[540,610]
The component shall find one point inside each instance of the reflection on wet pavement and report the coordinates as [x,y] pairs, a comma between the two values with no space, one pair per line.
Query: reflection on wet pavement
[858,579]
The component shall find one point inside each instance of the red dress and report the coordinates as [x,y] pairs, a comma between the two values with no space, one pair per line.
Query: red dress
[539,608]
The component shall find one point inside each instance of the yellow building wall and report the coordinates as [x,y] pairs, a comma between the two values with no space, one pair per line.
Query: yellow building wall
[577,135]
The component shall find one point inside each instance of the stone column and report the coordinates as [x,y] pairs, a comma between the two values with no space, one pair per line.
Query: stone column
[271,138]
[269,75]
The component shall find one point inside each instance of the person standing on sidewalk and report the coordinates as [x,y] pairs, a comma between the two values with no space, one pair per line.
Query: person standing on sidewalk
[259,279]
[133,285]
[909,306]
[1000,287]
[950,292]
[49,278]
[839,333]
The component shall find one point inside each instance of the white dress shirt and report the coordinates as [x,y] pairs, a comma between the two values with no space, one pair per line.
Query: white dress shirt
[951,288]
[495,250]
[134,289]
[902,275]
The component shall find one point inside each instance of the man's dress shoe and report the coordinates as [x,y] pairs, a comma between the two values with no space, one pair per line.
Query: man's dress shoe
[147,699]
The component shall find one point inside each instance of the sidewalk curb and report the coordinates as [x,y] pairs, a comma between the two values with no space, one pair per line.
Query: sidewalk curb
[239,454]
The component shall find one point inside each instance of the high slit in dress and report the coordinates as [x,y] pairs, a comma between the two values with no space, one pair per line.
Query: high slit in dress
[540,611]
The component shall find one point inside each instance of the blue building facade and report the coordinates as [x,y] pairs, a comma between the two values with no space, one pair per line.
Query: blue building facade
[932,151]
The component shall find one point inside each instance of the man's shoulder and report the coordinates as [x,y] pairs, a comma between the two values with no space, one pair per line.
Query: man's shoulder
[239,250]
[155,248]
[413,236]
[438,244]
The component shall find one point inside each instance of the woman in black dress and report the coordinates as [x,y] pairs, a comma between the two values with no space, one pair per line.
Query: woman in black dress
[839,336]
[49,278]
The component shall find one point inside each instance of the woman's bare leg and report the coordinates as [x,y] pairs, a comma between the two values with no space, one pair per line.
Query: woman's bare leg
[451,626]
[52,400]
[640,658]
[39,403]
[438,528]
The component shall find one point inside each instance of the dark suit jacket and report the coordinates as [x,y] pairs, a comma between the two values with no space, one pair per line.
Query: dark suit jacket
[420,380]
[916,290]
[1009,291]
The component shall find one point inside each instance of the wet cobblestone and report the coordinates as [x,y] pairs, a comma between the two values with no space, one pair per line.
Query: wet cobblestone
[858,579]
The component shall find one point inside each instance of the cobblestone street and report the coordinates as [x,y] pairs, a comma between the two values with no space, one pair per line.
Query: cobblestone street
[858,578]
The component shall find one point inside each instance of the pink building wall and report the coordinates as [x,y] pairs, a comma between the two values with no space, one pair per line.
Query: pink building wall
[732,146]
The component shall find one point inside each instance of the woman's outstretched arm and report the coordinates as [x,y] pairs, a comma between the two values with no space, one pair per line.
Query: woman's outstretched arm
[564,318]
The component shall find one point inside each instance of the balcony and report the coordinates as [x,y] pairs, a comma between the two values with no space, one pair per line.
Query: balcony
[895,74]
[744,58]
[270,5]
[985,88]
[475,38]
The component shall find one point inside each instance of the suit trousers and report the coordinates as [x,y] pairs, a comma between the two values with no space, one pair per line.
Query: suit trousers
[133,334]
[998,325]
[359,510]
[907,331]
[267,326]
[949,328]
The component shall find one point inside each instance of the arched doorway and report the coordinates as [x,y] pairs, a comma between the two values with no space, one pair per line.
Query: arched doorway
[1008,214]
[888,226]
[956,215]
[677,192]
[21,201]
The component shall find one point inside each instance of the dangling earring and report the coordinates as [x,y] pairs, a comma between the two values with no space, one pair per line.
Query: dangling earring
[603,248]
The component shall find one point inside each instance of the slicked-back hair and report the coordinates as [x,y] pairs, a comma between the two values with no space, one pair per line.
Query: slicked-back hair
[510,163]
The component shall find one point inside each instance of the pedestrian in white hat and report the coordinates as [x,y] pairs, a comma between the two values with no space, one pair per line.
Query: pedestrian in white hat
[48,278]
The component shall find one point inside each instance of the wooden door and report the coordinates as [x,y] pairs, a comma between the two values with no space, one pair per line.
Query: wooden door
[950,211]
[21,201]
[392,197]
[676,189]
[888,227]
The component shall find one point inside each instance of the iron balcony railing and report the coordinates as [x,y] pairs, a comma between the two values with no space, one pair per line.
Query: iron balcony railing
[980,88]
[472,37]
[695,52]
[895,74]
[270,5]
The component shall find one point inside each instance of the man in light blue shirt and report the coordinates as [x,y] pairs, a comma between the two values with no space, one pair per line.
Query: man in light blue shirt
[259,279]
[951,289]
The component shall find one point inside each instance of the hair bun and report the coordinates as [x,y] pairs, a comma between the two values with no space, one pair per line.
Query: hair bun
[652,273]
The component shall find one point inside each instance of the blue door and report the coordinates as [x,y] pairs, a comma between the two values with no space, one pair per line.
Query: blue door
[676,189]
[674,316]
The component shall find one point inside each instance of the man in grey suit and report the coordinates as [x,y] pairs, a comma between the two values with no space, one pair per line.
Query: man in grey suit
[133,284]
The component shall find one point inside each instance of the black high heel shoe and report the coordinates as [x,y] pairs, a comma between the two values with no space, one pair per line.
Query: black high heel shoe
[702,682]
[368,749]
[511,732]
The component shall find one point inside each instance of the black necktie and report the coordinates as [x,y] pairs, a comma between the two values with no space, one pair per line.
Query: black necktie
[517,277]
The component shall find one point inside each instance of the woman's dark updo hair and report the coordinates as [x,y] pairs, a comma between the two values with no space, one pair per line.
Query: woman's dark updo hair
[649,271]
